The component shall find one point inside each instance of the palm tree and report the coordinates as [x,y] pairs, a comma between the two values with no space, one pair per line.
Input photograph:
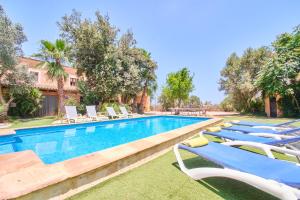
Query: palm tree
[148,76]
[53,55]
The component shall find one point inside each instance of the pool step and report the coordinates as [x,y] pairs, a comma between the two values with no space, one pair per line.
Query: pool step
[12,162]
[9,140]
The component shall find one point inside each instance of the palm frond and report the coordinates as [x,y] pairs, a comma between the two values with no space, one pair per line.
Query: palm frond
[60,45]
[49,46]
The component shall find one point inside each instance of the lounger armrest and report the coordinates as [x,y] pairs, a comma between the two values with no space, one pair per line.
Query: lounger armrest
[272,128]
[271,135]
[266,148]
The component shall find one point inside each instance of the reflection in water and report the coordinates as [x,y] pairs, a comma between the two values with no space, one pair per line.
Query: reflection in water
[44,148]
[70,132]
[122,125]
[109,126]
[66,146]
[90,129]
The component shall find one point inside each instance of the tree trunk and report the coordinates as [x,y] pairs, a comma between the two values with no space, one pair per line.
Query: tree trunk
[4,112]
[141,108]
[2,101]
[60,93]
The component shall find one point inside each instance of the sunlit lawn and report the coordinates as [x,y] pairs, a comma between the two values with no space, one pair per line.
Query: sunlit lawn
[31,122]
[161,179]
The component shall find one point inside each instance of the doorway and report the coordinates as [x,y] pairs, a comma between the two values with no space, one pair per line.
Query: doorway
[273,107]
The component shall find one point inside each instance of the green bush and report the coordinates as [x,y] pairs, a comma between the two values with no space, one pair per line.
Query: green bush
[73,102]
[116,107]
[27,103]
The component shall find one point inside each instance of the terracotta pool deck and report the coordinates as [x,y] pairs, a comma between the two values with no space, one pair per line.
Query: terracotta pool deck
[24,176]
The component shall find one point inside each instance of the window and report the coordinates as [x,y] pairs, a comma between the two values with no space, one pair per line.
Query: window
[73,81]
[35,76]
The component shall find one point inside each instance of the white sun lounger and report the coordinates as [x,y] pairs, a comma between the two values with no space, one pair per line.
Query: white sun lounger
[125,112]
[92,114]
[276,177]
[112,113]
[71,114]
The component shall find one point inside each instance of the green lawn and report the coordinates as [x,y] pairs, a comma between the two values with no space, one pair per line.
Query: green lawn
[161,179]
[31,122]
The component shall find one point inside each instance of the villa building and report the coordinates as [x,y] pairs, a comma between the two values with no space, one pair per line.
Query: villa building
[48,87]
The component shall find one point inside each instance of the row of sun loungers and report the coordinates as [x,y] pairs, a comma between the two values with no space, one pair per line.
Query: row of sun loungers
[279,178]
[72,115]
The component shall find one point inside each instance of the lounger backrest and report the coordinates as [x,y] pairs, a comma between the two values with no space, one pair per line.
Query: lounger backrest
[91,111]
[71,112]
[124,110]
[111,111]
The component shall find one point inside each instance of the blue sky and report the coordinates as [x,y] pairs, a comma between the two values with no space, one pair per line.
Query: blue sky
[194,33]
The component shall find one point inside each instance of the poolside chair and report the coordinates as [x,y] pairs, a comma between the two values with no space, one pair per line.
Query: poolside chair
[262,132]
[112,113]
[92,114]
[264,125]
[125,112]
[276,177]
[71,114]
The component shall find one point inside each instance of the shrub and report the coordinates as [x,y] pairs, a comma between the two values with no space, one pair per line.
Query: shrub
[73,102]
[27,103]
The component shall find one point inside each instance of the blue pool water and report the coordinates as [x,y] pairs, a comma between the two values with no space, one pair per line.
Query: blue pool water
[59,143]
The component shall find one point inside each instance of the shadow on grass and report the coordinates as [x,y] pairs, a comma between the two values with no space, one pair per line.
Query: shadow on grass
[224,187]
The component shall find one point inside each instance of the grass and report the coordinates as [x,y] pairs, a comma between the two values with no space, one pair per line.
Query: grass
[31,122]
[162,179]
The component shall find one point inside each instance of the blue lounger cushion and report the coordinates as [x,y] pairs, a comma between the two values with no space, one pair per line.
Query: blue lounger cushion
[246,123]
[233,135]
[248,162]
[246,129]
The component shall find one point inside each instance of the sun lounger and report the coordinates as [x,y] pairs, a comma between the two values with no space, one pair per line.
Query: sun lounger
[112,113]
[92,114]
[125,112]
[71,114]
[276,177]
[246,123]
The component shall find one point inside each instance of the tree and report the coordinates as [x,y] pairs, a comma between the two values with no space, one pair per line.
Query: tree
[53,56]
[94,52]
[179,85]
[227,105]
[147,76]
[194,101]
[111,66]
[165,99]
[239,75]
[15,79]
[279,76]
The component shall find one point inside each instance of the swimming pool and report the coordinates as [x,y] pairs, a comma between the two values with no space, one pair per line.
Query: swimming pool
[59,143]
